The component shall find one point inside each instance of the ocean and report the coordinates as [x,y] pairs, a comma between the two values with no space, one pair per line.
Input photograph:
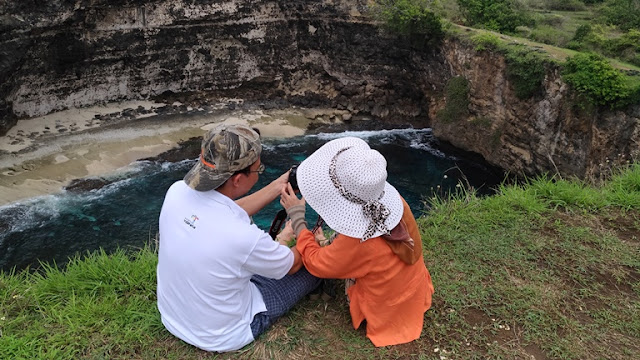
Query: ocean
[124,214]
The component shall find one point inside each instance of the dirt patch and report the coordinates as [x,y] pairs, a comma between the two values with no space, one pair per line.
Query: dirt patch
[536,352]
[499,333]
[476,317]
[626,225]
[613,285]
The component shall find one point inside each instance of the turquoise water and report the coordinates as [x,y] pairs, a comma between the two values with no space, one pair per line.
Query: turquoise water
[125,213]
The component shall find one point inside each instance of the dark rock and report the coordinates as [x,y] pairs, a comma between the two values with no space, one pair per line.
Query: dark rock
[87,184]
[128,113]
[162,110]
[188,149]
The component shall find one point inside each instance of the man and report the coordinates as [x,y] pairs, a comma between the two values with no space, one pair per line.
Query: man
[221,280]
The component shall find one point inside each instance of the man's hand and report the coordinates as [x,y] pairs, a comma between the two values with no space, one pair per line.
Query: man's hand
[259,199]
[282,181]
[288,197]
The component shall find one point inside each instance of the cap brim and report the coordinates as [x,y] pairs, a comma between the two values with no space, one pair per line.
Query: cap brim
[201,178]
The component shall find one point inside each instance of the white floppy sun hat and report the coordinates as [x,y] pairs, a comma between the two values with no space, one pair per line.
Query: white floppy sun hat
[344,181]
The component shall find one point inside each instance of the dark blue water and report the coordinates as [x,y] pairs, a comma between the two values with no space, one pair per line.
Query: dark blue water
[125,213]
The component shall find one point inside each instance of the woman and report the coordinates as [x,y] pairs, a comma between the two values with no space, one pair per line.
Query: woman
[378,242]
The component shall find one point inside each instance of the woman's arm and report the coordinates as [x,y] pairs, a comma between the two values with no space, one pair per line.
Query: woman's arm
[345,258]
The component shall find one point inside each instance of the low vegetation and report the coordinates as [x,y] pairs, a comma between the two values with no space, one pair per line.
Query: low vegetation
[457,100]
[413,19]
[546,269]
[498,15]
[594,78]
[600,39]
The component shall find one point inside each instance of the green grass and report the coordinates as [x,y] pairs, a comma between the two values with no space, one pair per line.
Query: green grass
[549,268]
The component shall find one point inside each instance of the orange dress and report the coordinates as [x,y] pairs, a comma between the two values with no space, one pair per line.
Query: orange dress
[389,293]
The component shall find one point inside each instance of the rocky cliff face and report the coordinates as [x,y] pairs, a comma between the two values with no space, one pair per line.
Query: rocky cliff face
[77,53]
[322,53]
[547,133]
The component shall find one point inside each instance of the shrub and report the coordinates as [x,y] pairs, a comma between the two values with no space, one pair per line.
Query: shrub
[498,15]
[590,38]
[526,70]
[409,18]
[564,5]
[582,32]
[552,20]
[457,106]
[628,41]
[623,13]
[593,77]
[485,41]
[551,35]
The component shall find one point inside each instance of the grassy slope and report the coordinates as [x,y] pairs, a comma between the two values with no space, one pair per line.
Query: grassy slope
[550,269]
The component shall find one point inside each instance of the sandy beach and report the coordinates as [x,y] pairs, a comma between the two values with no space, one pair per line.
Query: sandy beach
[41,155]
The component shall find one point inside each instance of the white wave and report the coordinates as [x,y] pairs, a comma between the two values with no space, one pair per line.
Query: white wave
[36,211]
[366,134]
[420,139]
[272,146]
[169,166]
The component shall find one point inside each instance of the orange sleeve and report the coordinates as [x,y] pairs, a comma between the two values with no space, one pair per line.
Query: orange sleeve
[345,258]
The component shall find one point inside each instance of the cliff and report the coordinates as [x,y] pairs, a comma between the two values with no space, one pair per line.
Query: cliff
[75,53]
[78,53]
[545,133]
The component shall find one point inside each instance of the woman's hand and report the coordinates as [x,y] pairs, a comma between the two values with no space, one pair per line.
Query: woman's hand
[286,235]
[320,238]
[288,197]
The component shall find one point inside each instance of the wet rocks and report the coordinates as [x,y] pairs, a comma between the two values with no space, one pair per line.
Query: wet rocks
[87,184]
[188,149]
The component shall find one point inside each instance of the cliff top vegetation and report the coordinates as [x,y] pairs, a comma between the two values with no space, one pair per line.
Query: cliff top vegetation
[607,31]
[548,269]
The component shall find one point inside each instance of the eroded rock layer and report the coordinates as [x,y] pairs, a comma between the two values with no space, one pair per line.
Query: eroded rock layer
[78,53]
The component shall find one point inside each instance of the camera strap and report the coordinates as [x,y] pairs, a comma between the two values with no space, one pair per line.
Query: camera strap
[279,219]
[277,222]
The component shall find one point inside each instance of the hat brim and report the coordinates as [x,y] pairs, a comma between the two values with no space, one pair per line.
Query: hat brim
[201,178]
[340,214]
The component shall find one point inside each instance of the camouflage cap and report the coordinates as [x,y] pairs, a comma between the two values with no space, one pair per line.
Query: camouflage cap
[225,149]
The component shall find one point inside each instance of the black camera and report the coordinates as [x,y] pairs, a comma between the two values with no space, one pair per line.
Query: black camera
[278,221]
[292,177]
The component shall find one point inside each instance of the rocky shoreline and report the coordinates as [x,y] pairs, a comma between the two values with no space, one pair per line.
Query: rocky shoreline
[72,150]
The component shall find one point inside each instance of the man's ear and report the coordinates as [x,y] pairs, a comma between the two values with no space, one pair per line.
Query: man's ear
[235,179]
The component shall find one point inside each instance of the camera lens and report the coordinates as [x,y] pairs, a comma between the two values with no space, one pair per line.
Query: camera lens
[292,177]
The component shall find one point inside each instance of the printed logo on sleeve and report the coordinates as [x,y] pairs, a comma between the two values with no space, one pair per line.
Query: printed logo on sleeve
[192,221]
